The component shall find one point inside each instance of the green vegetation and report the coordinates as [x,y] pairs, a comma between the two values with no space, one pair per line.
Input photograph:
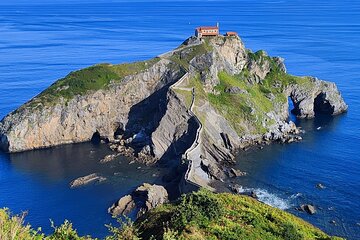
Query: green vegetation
[247,111]
[244,109]
[89,79]
[200,95]
[206,215]
[198,215]
[187,96]
[13,227]
[184,56]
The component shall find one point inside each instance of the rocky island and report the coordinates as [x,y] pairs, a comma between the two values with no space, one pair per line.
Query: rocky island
[199,103]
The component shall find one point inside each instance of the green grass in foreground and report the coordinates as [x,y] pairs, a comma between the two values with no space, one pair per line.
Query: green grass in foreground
[199,215]
[206,215]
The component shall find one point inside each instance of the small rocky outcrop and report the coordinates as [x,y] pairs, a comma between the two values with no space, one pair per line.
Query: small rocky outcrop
[144,198]
[122,207]
[88,179]
[236,173]
[308,208]
[320,186]
[318,97]
[235,90]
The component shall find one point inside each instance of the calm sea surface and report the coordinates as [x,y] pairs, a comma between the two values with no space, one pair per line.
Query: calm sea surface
[41,43]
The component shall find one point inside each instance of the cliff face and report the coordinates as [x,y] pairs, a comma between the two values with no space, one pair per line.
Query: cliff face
[101,112]
[201,101]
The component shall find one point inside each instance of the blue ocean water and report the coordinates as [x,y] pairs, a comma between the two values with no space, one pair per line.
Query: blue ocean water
[40,43]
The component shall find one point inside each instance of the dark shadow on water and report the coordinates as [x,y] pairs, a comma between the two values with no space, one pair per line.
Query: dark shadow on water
[61,162]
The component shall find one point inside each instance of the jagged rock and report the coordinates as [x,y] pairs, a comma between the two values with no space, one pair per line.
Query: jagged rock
[310,209]
[280,62]
[321,97]
[122,207]
[152,195]
[212,170]
[91,178]
[258,68]
[253,195]
[235,90]
[236,173]
[235,188]
[145,198]
[109,158]
[320,186]
[119,136]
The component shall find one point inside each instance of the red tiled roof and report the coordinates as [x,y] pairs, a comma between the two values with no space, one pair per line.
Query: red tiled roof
[207,28]
[231,33]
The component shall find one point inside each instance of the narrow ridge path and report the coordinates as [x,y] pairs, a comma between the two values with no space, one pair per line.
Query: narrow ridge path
[193,153]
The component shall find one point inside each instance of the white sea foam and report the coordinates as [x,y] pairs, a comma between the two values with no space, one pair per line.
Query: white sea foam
[268,198]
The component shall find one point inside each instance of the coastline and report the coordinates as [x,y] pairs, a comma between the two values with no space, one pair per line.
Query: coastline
[294,168]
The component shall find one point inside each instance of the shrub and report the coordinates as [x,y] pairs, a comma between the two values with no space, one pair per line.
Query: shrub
[126,231]
[65,232]
[170,234]
[13,227]
[291,233]
[197,208]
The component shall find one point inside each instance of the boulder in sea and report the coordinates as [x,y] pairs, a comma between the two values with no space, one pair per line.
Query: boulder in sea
[91,178]
[109,158]
[122,207]
[310,209]
[236,173]
[254,195]
[145,197]
[151,195]
[235,188]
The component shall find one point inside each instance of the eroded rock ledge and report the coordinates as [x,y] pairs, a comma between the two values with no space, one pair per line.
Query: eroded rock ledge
[143,199]
[200,102]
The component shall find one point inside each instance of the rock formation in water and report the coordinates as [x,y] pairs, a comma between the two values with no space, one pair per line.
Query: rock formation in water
[144,198]
[200,102]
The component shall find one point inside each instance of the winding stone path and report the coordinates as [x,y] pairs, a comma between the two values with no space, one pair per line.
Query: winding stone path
[192,154]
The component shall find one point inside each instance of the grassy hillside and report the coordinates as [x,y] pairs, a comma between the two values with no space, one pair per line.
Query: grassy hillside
[89,79]
[199,215]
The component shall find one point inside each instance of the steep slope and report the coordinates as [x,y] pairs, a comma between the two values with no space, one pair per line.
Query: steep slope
[205,215]
[199,215]
[200,102]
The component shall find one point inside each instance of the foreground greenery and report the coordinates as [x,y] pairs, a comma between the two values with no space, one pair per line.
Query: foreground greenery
[199,215]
